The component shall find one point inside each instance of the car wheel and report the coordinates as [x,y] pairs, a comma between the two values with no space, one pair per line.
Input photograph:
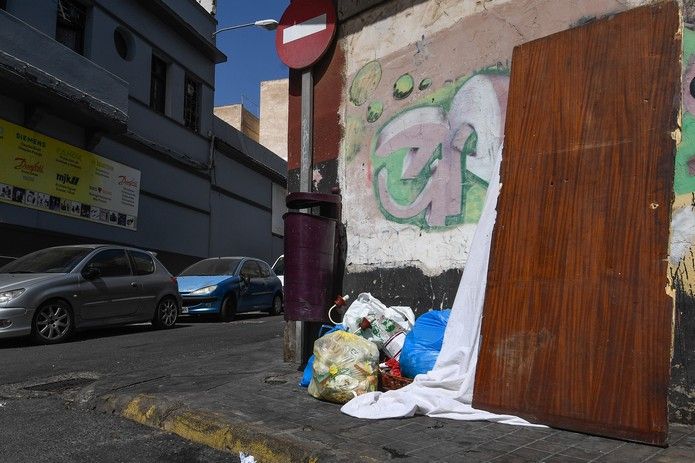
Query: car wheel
[228,310]
[166,313]
[53,323]
[276,308]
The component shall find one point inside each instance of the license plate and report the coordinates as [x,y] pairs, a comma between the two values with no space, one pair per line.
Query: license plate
[184,309]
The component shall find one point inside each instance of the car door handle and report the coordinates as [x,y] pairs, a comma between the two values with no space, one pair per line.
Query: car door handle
[134,285]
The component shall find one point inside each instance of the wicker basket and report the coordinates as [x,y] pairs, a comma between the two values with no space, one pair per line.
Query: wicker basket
[388,382]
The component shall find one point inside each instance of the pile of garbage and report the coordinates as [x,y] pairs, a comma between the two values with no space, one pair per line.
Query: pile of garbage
[375,347]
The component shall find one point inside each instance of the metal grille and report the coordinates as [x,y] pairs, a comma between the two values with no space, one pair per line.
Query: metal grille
[158,85]
[70,25]
[191,104]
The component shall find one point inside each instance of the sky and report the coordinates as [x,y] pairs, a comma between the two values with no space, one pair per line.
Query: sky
[251,55]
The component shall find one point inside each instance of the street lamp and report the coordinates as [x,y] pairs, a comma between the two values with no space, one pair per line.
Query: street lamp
[267,24]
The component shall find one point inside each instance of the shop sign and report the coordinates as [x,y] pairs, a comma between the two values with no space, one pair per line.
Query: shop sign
[40,172]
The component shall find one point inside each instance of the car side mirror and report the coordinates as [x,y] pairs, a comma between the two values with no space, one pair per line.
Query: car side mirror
[91,272]
[246,279]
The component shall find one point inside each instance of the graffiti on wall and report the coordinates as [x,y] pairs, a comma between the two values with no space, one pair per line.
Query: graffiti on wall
[420,113]
[431,161]
[683,218]
[684,181]
[681,249]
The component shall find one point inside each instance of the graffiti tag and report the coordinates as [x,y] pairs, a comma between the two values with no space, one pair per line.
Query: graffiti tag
[426,152]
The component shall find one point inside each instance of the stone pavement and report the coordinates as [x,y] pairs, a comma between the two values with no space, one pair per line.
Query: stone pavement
[259,409]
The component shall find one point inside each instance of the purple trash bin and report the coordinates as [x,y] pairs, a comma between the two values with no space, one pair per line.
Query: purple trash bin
[310,242]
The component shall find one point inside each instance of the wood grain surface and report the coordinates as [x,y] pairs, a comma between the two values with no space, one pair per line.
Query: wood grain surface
[577,322]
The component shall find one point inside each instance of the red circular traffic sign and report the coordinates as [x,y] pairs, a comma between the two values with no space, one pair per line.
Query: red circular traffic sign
[305,32]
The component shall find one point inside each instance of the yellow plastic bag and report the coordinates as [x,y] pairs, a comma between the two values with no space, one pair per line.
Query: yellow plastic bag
[345,366]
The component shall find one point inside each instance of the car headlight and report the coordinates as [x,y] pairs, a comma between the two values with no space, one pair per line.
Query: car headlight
[7,296]
[203,291]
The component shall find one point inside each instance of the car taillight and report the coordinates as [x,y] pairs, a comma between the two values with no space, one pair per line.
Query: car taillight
[173,279]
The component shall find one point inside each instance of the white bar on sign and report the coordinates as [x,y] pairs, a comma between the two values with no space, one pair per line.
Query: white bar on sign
[304,29]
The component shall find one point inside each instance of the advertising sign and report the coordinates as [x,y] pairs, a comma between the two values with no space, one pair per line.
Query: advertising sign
[43,173]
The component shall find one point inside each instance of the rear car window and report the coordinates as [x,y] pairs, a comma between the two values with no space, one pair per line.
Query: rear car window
[265,269]
[250,269]
[111,263]
[142,263]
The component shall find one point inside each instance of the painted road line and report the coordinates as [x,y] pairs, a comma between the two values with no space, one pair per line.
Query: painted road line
[304,29]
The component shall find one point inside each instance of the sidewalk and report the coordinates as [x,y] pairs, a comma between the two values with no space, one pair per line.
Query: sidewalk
[255,406]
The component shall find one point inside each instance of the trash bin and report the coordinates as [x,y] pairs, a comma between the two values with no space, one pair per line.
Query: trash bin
[310,256]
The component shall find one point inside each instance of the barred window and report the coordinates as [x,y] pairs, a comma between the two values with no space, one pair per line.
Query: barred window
[158,85]
[70,25]
[191,104]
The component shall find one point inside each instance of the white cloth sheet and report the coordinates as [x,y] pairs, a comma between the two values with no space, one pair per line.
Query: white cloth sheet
[447,390]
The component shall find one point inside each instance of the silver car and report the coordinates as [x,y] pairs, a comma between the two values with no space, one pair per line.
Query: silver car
[53,292]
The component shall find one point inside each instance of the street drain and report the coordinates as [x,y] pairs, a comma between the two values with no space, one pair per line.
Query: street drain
[274,380]
[58,387]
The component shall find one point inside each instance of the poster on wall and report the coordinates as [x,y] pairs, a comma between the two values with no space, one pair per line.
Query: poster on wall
[40,172]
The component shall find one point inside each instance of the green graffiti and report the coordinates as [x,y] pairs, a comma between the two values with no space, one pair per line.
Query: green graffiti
[403,87]
[475,198]
[684,180]
[420,175]
[471,143]
[352,138]
[688,44]
[404,191]
[374,111]
[425,84]
[365,82]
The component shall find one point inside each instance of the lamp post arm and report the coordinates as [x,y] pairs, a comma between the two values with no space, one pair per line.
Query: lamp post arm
[267,24]
[232,27]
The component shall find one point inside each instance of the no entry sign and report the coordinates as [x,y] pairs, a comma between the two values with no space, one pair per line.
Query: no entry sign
[305,32]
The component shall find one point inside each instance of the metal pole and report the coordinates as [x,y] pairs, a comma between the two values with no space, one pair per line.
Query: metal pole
[305,171]
[305,162]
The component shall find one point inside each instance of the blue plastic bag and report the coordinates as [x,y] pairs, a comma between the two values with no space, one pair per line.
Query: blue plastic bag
[309,368]
[423,343]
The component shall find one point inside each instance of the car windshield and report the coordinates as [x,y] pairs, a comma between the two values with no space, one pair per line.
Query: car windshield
[279,266]
[210,267]
[51,260]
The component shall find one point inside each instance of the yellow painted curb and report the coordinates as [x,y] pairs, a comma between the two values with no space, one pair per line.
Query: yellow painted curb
[212,430]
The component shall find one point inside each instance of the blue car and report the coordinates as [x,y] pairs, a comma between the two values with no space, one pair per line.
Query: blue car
[229,285]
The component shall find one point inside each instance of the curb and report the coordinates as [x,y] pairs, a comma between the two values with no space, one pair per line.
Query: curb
[212,429]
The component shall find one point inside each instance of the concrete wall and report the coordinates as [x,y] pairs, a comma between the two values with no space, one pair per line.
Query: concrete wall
[42,19]
[231,114]
[274,105]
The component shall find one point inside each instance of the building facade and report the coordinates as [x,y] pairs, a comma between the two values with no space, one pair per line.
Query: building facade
[240,118]
[270,127]
[273,117]
[106,110]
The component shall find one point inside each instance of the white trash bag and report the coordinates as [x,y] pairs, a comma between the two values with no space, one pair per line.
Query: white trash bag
[382,325]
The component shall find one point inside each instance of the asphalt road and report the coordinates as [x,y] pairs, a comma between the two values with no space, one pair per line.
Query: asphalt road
[45,426]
